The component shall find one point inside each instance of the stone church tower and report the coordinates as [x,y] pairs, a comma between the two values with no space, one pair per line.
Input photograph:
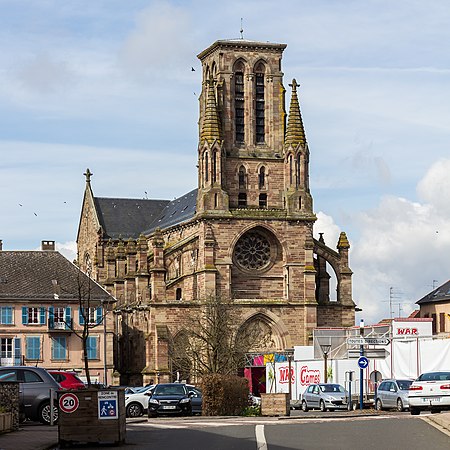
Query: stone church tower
[245,233]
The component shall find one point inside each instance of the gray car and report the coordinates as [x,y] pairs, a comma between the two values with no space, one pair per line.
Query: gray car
[324,396]
[393,394]
[34,391]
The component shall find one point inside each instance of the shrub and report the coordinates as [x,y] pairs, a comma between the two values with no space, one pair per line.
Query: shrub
[224,395]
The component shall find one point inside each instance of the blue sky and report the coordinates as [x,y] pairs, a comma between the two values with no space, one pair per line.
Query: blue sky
[108,85]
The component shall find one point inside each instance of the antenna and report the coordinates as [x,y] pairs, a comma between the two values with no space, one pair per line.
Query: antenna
[242,30]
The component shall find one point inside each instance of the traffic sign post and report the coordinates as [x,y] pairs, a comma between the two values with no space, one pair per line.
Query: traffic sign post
[367,341]
[68,403]
[364,362]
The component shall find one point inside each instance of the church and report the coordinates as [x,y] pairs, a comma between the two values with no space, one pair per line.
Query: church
[245,233]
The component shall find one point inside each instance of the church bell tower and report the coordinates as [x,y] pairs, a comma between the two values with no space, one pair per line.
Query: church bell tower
[249,156]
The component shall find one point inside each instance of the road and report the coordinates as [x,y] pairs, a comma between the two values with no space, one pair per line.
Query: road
[394,431]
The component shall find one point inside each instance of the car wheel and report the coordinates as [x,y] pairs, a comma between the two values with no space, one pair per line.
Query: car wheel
[44,414]
[400,406]
[322,406]
[304,406]
[378,405]
[134,410]
[414,411]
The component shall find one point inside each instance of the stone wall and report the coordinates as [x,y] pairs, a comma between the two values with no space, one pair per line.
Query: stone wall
[9,400]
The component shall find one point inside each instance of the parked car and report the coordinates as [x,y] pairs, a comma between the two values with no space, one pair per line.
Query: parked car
[324,396]
[393,394]
[67,380]
[431,391]
[34,391]
[196,399]
[136,403]
[171,398]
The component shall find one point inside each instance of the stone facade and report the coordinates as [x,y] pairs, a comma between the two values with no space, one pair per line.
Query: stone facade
[9,401]
[249,236]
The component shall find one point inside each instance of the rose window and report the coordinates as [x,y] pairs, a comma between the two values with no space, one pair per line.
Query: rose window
[252,251]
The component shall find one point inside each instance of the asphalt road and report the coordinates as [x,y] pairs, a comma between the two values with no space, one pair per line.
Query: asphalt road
[397,432]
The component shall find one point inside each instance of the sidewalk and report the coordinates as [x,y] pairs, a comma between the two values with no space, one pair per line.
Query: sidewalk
[34,436]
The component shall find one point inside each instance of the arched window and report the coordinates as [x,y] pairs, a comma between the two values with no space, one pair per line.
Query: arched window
[262,178]
[214,166]
[241,176]
[298,170]
[259,103]
[299,203]
[239,102]
[206,165]
[216,201]
[290,169]
[178,294]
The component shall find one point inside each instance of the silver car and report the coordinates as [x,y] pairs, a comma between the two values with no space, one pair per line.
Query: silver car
[393,394]
[324,396]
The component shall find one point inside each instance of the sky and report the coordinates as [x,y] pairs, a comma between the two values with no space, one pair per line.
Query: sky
[107,85]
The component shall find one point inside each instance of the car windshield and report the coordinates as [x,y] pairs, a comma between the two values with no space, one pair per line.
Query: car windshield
[176,389]
[404,384]
[434,376]
[331,388]
[143,389]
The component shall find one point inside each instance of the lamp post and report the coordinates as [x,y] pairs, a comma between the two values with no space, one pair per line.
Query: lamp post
[361,370]
[105,353]
[325,350]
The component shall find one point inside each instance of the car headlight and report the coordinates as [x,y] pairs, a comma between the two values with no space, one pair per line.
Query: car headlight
[331,398]
[154,401]
[185,400]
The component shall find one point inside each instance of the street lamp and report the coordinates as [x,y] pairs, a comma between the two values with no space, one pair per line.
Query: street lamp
[325,350]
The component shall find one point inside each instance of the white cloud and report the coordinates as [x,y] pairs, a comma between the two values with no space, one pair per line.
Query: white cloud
[403,245]
[67,249]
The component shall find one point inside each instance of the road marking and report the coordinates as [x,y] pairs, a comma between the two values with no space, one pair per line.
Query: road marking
[261,443]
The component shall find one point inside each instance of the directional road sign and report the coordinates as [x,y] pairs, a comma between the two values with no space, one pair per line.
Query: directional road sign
[363,362]
[367,341]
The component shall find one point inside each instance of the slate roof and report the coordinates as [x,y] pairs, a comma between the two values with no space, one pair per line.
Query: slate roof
[125,217]
[441,294]
[28,275]
[177,211]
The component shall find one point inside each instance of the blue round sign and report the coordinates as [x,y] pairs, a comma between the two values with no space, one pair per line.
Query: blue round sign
[363,362]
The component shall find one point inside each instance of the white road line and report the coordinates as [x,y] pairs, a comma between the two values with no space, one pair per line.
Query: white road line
[261,443]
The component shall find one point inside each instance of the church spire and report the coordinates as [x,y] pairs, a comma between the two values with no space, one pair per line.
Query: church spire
[211,125]
[295,133]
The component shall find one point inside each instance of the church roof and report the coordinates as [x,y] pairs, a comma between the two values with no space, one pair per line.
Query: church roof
[39,275]
[241,43]
[126,217]
[175,212]
[295,132]
[441,294]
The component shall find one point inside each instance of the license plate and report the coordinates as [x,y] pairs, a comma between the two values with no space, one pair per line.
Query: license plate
[434,399]
[169,407]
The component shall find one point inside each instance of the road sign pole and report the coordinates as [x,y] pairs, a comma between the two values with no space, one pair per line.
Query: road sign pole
[361,370]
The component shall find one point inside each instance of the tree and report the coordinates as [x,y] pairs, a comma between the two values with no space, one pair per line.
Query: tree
[214,342]
[92,301]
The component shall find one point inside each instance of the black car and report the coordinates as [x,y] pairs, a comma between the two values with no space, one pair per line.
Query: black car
[170,398]
[34,391]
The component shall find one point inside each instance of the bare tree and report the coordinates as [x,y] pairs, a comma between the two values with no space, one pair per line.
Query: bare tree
[92,308]
[214,341]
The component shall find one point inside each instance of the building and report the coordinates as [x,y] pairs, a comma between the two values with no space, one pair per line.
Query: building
[436,305]
[45,302]
[245,233]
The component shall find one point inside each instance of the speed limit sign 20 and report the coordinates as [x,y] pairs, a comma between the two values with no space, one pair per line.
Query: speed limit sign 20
[68,403]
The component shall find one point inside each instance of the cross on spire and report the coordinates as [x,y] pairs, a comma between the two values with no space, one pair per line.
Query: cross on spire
[88,175]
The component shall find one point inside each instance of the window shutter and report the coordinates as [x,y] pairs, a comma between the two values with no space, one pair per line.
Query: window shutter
[51,317]
[68,318]
[42,316]
[24,315]
[80,313]
[99,315]
[17,351]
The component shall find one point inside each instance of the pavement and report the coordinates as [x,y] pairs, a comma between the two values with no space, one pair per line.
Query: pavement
[35,436]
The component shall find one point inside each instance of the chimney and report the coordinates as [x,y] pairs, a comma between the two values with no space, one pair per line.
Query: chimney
[48,246]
